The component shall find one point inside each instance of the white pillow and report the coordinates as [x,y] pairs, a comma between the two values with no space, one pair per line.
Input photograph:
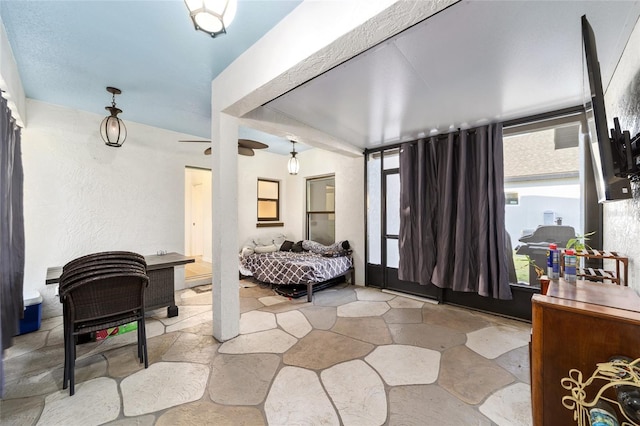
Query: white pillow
[265,249]
[247,251]
[279,239]
[268,239]
[250,244]
[264,240]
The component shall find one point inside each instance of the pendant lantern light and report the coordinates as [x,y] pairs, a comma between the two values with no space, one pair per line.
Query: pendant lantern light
[294,164]
[112,128]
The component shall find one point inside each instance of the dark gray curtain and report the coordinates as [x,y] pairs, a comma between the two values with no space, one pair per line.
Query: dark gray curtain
[452,228]
[11,231]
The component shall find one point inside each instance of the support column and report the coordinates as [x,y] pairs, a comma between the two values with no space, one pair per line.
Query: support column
[224,168]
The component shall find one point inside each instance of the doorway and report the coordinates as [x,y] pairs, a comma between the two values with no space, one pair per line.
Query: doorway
[197,227]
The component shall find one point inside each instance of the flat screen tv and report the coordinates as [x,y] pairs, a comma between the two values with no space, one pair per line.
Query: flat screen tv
[608,160]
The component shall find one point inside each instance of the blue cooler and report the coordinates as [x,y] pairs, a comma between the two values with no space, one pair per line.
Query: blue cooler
[32,312]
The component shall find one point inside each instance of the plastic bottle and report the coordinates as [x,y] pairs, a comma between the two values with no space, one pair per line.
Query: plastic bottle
[553,262]
[570,266]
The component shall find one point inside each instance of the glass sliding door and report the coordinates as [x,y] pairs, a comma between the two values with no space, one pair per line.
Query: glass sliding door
[391,191]
[374,270]
[383,225]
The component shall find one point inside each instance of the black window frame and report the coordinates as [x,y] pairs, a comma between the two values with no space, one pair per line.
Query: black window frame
[308,212]
[259,199]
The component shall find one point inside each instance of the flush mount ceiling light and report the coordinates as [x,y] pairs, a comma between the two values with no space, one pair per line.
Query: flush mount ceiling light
[294,164]
[112,129]
[212,16]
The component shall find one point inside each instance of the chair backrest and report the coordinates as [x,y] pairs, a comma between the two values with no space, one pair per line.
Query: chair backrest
[105,255]
[69,280]
[88,278]
[106,295]
[95,264]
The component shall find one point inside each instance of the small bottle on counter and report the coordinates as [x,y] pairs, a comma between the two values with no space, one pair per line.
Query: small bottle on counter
[553,262]
[570,266]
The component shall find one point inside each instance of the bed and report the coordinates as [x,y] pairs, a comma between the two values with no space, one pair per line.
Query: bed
[314,264]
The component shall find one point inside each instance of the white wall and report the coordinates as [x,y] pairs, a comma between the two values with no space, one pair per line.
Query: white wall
[268,166]
[622,218]
[349,175]
[81,196]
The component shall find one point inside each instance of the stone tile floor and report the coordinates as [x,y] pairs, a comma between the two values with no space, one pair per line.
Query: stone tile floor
[355,356]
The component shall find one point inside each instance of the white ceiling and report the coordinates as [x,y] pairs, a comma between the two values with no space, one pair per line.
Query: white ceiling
[475,62]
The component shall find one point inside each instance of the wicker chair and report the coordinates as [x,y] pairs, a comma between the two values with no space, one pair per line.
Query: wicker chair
[99,296]
[105,255]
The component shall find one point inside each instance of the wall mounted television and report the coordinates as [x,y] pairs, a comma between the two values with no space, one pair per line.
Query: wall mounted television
[612,159]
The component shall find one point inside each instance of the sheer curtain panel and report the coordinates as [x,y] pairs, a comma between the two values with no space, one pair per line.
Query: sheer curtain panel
[452,226]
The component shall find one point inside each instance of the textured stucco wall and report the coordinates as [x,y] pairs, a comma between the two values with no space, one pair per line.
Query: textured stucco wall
[622,218]
[267,166]
[349,175]
[81,196]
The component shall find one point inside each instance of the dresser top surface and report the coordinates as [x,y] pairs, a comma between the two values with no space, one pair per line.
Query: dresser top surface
[604,295]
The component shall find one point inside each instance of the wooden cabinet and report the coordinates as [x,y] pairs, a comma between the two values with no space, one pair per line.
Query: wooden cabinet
[577,326]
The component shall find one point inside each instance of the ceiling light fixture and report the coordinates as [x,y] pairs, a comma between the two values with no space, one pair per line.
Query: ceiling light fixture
[112,129]
[212,16]
[294,164]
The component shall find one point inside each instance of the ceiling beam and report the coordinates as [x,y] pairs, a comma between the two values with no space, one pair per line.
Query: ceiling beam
[274,122]
[313,38]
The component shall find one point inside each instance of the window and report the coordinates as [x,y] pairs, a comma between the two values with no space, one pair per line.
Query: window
[511,198]
[321,215]
[542,184]
[268,200]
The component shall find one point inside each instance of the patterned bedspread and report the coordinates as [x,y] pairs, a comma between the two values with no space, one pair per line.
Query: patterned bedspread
[295,268]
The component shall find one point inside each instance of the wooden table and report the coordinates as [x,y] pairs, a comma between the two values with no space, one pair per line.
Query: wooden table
[576,326]
[161,289]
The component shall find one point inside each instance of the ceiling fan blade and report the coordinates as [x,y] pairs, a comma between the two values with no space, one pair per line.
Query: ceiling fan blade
[242,150]
[245,146]
[248,143]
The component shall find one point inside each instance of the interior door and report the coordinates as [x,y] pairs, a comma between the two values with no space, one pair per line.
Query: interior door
[197,217]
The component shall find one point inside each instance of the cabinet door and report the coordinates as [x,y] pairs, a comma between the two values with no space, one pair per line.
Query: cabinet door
[573,335]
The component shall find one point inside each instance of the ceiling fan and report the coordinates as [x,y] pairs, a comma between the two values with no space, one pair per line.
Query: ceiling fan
[245,146]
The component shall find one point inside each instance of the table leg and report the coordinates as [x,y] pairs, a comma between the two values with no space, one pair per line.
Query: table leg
[172,311]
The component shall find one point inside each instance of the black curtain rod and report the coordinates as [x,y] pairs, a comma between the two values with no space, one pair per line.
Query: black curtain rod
[578,109]
[399,144]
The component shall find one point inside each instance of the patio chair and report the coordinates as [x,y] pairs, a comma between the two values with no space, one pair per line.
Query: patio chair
[97,298]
